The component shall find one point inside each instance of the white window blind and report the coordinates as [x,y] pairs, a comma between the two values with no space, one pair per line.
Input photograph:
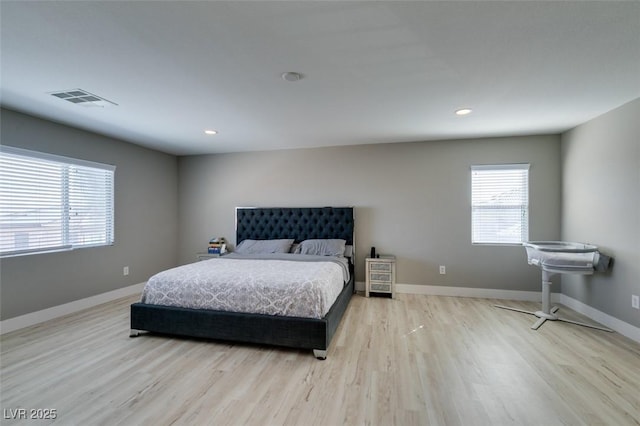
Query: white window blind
[500,204]
[49,202]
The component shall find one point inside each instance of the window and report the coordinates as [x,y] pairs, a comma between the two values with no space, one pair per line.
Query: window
[48,202]
[500,204]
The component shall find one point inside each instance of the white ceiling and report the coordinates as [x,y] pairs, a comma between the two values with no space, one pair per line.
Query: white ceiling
[374,72]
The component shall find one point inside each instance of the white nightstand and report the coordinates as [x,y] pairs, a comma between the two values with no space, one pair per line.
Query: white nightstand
[381,275]
[207,256]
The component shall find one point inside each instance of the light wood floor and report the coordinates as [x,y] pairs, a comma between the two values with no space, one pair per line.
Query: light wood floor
[415,360]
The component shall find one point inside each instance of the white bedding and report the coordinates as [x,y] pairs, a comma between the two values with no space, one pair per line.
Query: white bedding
[289,285]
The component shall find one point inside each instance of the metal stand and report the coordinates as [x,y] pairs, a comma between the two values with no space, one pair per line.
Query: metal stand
[548,312]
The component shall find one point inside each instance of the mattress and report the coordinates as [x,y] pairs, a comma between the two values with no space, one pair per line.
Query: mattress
[290,285]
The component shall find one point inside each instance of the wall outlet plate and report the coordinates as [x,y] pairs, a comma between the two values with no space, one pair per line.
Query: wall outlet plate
[635,301]
[443,270]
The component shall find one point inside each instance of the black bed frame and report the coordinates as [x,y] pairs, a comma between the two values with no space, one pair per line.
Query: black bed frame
[303,333]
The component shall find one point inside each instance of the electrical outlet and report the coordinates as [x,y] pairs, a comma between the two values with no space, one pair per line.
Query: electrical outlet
[635,301]
[443,270]
[125,271]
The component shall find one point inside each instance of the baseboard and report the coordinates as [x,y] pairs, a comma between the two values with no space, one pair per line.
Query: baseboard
[37,317]
[626,329]
[484,293]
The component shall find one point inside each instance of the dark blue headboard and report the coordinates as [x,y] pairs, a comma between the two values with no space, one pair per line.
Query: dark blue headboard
[299,223]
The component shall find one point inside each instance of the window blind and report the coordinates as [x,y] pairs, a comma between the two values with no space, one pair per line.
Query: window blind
[500,204]
[50,202]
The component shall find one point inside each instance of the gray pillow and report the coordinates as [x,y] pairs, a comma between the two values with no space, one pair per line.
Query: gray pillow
[264,246]
[326,247]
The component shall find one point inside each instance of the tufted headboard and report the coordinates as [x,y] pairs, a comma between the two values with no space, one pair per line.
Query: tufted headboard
[299,223]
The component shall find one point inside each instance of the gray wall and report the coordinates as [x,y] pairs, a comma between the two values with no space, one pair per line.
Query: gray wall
[411,199]
[601,205]
[145,221]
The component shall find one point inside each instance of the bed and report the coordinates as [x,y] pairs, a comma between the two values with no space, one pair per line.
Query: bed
[290,328]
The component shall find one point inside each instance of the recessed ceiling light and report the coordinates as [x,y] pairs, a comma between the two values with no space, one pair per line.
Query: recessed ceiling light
[291,76]
[463,111]
[211,132]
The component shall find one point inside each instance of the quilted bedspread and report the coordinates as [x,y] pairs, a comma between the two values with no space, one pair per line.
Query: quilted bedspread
[284,284]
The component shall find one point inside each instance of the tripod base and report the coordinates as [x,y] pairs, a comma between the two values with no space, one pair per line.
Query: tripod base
[551,316]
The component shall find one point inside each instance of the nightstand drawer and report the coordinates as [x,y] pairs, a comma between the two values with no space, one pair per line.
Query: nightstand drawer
[379,276]
[381,287]
[380,266]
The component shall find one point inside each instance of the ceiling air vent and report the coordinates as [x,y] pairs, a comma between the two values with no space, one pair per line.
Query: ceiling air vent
[83,98]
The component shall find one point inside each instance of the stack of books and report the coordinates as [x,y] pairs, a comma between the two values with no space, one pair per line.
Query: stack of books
[217,246]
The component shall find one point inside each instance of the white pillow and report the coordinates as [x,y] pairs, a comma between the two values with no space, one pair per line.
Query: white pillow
[264,246]
[325,247]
